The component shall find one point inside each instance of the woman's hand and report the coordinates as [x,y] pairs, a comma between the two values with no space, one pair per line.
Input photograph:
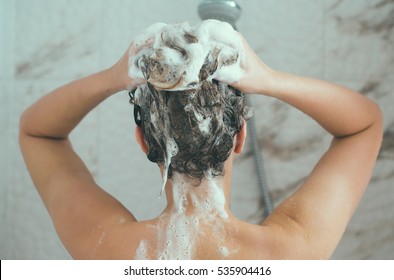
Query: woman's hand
[120,70]
[257,75]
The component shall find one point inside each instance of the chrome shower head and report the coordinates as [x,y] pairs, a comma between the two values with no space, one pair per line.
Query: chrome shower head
[223,10]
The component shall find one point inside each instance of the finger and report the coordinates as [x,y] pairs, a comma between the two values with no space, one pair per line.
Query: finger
[137,46]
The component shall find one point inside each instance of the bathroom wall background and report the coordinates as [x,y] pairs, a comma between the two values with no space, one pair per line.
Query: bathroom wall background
[44,44]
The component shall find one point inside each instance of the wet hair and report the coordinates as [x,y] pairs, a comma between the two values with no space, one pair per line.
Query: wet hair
[202,121]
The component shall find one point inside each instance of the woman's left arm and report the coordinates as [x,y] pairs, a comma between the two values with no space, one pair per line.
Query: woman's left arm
[80,209]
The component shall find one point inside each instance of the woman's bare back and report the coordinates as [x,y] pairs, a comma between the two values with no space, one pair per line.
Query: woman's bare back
[231,239]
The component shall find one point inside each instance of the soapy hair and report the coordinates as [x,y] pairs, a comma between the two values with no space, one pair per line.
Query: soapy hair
[202,120]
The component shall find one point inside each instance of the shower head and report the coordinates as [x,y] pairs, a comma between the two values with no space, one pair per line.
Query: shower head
[223,10]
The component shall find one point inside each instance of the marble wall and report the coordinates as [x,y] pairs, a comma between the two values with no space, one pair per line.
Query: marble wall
[44,44]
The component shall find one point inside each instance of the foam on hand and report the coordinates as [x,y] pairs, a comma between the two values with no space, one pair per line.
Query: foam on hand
[173,54]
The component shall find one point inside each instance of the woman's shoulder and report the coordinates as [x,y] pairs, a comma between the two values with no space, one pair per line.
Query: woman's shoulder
[242,240]
[123,240]
[271,242]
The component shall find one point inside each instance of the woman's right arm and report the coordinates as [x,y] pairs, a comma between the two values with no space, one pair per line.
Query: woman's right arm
[322,207]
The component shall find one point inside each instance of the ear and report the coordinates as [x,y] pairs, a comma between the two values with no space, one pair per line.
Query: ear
[140,139]
[240,139]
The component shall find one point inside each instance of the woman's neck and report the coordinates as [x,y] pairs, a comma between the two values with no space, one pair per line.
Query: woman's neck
[194,207]
[208,196]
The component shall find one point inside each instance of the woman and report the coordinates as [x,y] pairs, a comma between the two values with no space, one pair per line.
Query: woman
[197,222]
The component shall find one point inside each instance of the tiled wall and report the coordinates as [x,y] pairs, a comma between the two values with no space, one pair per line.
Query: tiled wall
[45,43]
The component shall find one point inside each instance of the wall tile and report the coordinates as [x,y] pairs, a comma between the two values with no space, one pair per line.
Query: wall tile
[369,234]
[7,15]
[359,39]
[62,43]
[5,92]
[285,36]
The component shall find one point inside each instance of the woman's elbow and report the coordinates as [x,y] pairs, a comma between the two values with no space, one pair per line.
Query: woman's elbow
[377,124]
[378,118]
